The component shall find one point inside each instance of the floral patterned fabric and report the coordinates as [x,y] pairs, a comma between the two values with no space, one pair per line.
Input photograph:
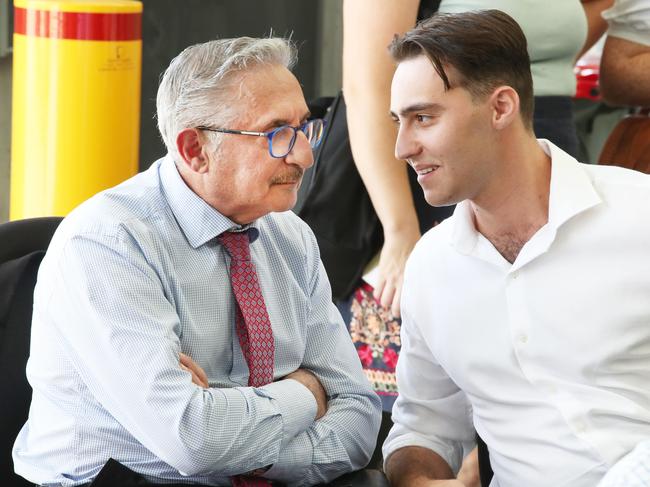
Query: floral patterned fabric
[375,333]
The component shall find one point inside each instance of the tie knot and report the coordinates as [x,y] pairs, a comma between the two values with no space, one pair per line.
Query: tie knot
[236,244]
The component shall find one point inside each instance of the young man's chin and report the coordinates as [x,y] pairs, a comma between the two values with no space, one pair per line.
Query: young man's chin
[437,200]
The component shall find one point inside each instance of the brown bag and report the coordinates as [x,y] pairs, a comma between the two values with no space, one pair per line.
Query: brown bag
[629,143]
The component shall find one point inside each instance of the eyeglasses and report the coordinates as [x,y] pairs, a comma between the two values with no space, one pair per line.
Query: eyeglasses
[283,138]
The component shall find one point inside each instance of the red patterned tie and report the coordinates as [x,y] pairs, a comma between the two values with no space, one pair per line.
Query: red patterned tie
[251,318]
[252,323]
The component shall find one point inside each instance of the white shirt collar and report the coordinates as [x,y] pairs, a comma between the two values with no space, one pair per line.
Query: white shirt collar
[571,193]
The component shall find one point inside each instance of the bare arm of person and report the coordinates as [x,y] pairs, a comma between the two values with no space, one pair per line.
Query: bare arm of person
[414,466]
[199,377]
[624,72]
[469,473]
[368,28]
[596,25]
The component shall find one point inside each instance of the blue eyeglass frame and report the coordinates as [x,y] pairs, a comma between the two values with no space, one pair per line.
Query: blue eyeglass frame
[269,135]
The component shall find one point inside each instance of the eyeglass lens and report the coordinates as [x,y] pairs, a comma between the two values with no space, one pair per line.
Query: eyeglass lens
[283,139]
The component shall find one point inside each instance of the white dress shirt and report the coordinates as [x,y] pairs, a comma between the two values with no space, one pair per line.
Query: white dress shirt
[548,357]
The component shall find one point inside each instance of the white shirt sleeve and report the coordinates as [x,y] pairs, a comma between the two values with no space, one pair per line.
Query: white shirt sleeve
[629,20]
[431,411]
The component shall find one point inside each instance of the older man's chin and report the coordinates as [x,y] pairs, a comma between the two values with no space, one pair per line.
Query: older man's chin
[286,196]
[290,184]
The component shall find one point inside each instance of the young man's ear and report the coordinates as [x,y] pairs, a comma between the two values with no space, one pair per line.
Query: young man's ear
[505,107]
[190,144]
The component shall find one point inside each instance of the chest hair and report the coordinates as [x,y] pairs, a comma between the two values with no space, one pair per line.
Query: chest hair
[509,245]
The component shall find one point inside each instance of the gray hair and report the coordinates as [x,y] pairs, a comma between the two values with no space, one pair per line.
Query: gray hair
[194,88]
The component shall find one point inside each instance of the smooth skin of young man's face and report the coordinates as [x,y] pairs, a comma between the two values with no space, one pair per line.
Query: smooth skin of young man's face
[446,136]
[244,182]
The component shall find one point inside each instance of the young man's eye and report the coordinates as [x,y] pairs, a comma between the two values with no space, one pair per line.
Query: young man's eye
[423,118]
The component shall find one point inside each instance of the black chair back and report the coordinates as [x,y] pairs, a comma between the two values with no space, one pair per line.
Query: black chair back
[22,246]
[484,467]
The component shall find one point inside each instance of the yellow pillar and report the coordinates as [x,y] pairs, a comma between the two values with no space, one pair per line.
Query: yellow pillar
[76,101]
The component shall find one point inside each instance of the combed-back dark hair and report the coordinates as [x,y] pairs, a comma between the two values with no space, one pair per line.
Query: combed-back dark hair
[486,47]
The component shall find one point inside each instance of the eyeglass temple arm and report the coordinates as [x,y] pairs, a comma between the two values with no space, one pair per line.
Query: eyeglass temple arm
[236,132]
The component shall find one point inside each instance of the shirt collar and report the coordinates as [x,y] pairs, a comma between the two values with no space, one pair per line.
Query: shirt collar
[571,192]
[199,221]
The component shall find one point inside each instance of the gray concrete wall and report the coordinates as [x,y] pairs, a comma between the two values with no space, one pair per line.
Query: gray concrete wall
[330,48]
[5,135]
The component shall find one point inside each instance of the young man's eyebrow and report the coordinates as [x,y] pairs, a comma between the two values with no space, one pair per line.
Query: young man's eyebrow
[418,107]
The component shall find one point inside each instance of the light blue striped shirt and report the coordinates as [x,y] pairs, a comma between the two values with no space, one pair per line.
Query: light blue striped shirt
[135,276]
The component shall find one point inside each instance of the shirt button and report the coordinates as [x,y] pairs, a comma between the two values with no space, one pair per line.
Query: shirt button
[523,339]
[580,425]
[515,275]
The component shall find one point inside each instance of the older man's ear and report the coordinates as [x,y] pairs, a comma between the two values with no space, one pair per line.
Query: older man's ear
[190,144]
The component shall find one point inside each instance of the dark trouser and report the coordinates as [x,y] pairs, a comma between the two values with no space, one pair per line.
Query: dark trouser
[114,474]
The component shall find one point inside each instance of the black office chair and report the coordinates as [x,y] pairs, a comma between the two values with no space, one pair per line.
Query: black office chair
[22,247]
[484,467]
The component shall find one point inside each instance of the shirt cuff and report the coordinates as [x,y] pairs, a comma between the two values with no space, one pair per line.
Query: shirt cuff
[293,460]
[297,406]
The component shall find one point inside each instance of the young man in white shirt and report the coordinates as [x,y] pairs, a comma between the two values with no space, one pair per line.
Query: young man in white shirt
[526,314]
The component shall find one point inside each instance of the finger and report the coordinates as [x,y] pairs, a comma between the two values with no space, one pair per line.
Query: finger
[379,288]
[198,375]
[187,361]
[195,379]
[387,295]
[202,375]
[395,308]
[198,381]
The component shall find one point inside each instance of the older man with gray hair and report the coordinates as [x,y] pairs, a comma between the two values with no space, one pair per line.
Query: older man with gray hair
[183,329]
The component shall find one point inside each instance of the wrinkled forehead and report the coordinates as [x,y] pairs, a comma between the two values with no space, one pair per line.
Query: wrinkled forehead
[268,91]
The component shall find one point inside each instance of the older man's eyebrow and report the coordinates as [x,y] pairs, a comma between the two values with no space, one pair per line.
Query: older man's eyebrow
[419,107]
[277,122]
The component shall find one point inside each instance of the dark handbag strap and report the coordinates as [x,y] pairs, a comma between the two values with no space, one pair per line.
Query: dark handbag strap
[310,174]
